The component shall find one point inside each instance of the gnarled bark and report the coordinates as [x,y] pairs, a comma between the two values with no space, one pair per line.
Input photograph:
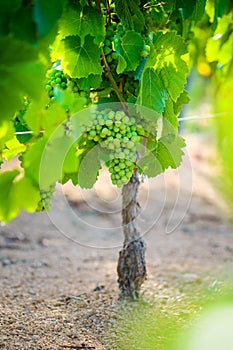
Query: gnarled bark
[131,267]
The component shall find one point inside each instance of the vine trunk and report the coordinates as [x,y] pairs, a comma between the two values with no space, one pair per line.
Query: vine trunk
[131,267]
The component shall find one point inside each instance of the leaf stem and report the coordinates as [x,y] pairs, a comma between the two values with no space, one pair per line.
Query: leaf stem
[109,12]
[112,81]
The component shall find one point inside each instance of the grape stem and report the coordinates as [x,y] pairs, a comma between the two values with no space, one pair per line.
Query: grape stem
[112,81]
[97,4]
[109,12]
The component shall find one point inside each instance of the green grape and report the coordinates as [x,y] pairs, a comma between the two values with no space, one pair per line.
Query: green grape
[109,59]
[114,56]
[46,197]
[107,50]
[117,135]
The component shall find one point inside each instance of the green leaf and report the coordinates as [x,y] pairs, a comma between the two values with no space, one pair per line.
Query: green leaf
[169,114]
[129,48]
[199,10]
[192,9]
[92,81]
[169,46]
[71,20]
[70,166]
[6,132]
[122,64]
[13,148]
[82,22]
[167,59]
[124,10]
[38,117]
[174,79]
[152,93]
[219,47]
[79,60]
[16,194]
[149,164]
[31,160]
[169,151]
[182,99]
[67,101]
[21,74]
[46,14]
[89,167]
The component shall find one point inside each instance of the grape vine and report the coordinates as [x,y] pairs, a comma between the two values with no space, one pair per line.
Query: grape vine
[70,55]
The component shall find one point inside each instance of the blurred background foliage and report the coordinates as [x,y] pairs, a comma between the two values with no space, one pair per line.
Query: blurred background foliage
[210,86]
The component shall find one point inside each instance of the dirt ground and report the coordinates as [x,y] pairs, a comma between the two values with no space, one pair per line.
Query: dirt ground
[58,286]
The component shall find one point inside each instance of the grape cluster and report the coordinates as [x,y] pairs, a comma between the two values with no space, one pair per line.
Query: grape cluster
[118,136]
[46,197]
[56,78]
[108,48]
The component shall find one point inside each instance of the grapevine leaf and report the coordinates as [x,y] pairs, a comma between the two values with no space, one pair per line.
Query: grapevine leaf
[82,22]
[21,69]
[93,81]
[70,22]
[199,10]
[149,164]
[6,132]
[39,118]
[46,14]
[53,158]
[13,196]
[167,59]
[131,47]
[169,114]
[89,167]
[44,160]
[169,151]
[67,101]
[70,166]
[124,10]
[193,9]
[174,79]
[13,148]
[152,93]
[31,160]
[182,99]
[172,109]
[79,60]
[169,46]
[219,49]
[122,64]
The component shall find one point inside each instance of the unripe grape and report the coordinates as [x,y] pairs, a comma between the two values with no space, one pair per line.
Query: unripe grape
[109,122]
[107,42]
[109,59]
[114,56]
